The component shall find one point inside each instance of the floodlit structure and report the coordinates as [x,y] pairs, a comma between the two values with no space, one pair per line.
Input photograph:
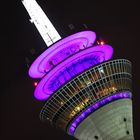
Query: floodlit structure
[87,94]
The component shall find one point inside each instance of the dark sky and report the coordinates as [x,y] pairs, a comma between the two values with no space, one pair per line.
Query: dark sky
[116,21]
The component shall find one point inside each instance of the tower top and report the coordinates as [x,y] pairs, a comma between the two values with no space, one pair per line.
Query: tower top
[41,21]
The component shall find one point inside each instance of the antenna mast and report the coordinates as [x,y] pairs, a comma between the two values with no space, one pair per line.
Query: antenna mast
[41,21]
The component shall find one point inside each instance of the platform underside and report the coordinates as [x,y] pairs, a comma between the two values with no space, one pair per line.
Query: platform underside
[111,122]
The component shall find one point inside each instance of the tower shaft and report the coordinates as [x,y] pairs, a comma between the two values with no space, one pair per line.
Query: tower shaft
[111,122]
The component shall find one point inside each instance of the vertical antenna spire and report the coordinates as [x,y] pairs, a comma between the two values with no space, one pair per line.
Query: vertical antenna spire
[41,21]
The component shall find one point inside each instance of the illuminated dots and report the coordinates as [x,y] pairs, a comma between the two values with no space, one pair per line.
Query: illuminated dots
[61,103]
[102,42]
[35,84]
[78,108]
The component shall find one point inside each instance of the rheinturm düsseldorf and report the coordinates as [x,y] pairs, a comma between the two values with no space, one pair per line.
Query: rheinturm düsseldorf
[87,92]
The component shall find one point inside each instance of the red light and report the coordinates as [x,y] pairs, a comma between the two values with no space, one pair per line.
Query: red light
[100,42]
[35,84]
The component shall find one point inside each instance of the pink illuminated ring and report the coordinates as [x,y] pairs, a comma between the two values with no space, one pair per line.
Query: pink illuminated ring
[70,68]
[60,51]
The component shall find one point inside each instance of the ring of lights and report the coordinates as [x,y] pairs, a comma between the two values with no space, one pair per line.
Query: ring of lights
[71,67]
[60,51]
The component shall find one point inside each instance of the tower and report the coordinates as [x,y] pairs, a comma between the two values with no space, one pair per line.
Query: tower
[41,21]
[87,93]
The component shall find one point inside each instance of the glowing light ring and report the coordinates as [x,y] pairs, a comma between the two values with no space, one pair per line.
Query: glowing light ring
[67,49]
[70,68]
[122,95]
[44,62]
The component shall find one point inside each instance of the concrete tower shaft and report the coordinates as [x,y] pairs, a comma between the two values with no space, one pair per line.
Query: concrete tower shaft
[111,122]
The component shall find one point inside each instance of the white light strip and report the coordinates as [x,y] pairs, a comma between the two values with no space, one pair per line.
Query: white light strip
[41,21]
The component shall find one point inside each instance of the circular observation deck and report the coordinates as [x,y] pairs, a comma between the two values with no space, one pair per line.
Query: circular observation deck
[70,68]
[72,103]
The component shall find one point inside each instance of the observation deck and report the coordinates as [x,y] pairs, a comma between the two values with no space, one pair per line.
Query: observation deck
[79,79]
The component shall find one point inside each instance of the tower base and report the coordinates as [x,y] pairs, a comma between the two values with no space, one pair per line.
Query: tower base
[111,122]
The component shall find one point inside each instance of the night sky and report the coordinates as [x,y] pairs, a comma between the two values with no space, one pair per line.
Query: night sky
[115,21]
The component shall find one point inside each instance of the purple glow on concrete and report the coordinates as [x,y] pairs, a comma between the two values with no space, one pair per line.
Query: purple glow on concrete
[70,68]
[72,127]
[60,51]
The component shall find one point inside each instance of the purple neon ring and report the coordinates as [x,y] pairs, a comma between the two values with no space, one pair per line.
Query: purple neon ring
[43,90]
[44,62]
